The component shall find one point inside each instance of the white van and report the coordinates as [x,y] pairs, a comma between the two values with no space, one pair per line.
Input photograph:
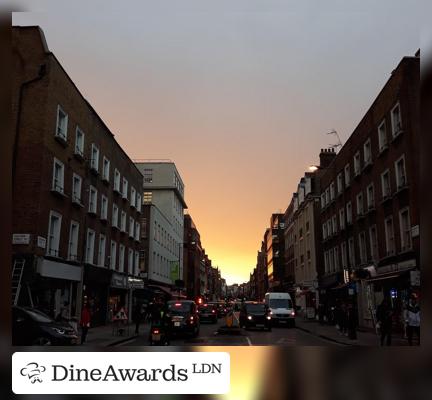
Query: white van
[281,307]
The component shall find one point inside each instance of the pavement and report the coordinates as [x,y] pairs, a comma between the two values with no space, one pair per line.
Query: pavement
[306,333]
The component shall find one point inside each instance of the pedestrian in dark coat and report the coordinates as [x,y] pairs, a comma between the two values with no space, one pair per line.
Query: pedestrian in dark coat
[384,316]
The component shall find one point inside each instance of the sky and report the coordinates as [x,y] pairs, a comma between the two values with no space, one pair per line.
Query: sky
[239,94]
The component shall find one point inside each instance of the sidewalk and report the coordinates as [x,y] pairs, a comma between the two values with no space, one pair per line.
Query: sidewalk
[329,332]
[106,336]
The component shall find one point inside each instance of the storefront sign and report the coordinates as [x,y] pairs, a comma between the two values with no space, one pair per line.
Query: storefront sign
[41,242]
[134,283]
[415,278]
[119,281]
[21,238]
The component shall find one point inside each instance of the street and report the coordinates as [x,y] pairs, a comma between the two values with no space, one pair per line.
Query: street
[279,336]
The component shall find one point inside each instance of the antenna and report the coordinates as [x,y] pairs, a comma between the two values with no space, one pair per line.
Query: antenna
[339,143]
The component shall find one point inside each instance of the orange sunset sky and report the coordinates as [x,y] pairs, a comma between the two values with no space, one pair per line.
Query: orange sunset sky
[238,94]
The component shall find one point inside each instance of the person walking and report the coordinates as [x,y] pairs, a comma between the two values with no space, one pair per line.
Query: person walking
[384,316]
[412,319]
[85,322]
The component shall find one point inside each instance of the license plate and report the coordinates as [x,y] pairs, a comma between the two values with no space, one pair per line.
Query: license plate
[260,325]
[156,337]
[176,323]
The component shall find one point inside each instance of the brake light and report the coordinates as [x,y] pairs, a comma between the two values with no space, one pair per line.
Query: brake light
[177,304]
[191,318]
[156,331]
[213,311]
[293,313]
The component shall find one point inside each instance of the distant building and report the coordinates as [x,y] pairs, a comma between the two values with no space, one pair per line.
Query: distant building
[275,252]
[163,218]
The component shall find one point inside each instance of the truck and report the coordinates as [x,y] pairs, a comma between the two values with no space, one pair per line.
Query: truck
[281,308]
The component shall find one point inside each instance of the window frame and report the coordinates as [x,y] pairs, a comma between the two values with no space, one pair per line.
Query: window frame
[382,133]
[57,238]
[405,247]
[92,209]
[396,133]
[105,173]
[73,243]
[63,137]
[101,255]
[79,150]
[400,185]
[94,162]
[90,250]
[59,188]
[104,210]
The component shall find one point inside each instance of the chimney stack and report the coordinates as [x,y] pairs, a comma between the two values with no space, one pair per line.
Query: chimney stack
[326,157]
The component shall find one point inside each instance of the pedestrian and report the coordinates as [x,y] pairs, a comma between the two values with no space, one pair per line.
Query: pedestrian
[85,322]
[384,316]
[412,319]
[137,317]
[352,321]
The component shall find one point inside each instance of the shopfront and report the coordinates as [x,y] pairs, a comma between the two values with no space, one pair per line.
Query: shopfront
[95,292]
[118,295]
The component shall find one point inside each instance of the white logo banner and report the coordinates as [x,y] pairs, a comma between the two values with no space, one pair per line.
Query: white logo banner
[120,372]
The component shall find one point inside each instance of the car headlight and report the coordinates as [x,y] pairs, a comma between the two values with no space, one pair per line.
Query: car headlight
[249,317]
[268,317]
[59,330]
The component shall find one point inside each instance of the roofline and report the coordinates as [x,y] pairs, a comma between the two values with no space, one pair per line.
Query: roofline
[50,53]
[173,188]
[160,161]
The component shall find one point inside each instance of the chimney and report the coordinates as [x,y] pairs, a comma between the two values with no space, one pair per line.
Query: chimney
[326,157]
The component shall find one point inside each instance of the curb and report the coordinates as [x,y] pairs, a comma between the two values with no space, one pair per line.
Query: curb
[326,337]
[126,339]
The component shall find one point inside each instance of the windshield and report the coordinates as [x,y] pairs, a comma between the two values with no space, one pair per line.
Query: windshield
[180,308]
[255,308]
[38,316]
[280,303]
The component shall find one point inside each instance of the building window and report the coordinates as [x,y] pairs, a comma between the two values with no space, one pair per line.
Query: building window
[332,191]
[370,196]
[114,221]
[351,252]
[101,254]
[347,175]
[148,175]
[339,183]
[76,188]
[334,224]
[94,160]
[105,169]
[367,152]
[117,180]
[344,255]
[342,218]
[133,197]
[326,263]
[373,238]
[324,228]
[58,176]
[382,136]
[389,234]
[360,209]
[137,231]
[113,255]
[54,227]
[138,202]
[396,120]
[90,241]
[125,188]
[385,184]
[121,257]
[92,200]
[123,221]
[336,258]
[327,195]
[357,166]
[79,142]
[136,264]
[73,241]
[362,248]
[405,228]
[62,123]
[401,180]
[349,213]
[104,208]
[131,261]
[131,227]
[148,197]
[323,202]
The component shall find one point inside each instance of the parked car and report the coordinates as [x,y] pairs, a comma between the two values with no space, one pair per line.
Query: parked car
[183,317]
[208,312]
[33,327]
[255,315]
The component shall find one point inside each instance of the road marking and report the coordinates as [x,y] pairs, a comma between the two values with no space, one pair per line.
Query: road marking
[249,341]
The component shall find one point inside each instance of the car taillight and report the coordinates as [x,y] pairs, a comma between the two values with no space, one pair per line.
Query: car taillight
[293,313]
[191,318]
[156,331]
[213,311]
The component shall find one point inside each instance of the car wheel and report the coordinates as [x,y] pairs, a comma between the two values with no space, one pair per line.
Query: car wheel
[42,341]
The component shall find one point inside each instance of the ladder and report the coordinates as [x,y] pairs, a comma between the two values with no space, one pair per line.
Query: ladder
[17,273]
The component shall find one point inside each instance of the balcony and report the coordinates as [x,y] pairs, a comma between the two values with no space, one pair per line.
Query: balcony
[58,190]
[79,154]
[76,201]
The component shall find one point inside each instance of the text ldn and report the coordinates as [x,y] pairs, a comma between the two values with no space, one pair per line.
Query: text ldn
[204,368]
[62,373]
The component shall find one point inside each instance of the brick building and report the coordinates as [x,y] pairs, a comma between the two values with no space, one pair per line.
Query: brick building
[76,193]
[369,201]
[275,252]
[289,269]
[261,267]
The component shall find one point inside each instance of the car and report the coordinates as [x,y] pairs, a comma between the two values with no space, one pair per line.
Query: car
[31,327]
[222,309]
[208,312]
[281,307]
[182,317]
[254,314]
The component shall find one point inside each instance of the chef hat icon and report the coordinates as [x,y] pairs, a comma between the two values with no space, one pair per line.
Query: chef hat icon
[33,371]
